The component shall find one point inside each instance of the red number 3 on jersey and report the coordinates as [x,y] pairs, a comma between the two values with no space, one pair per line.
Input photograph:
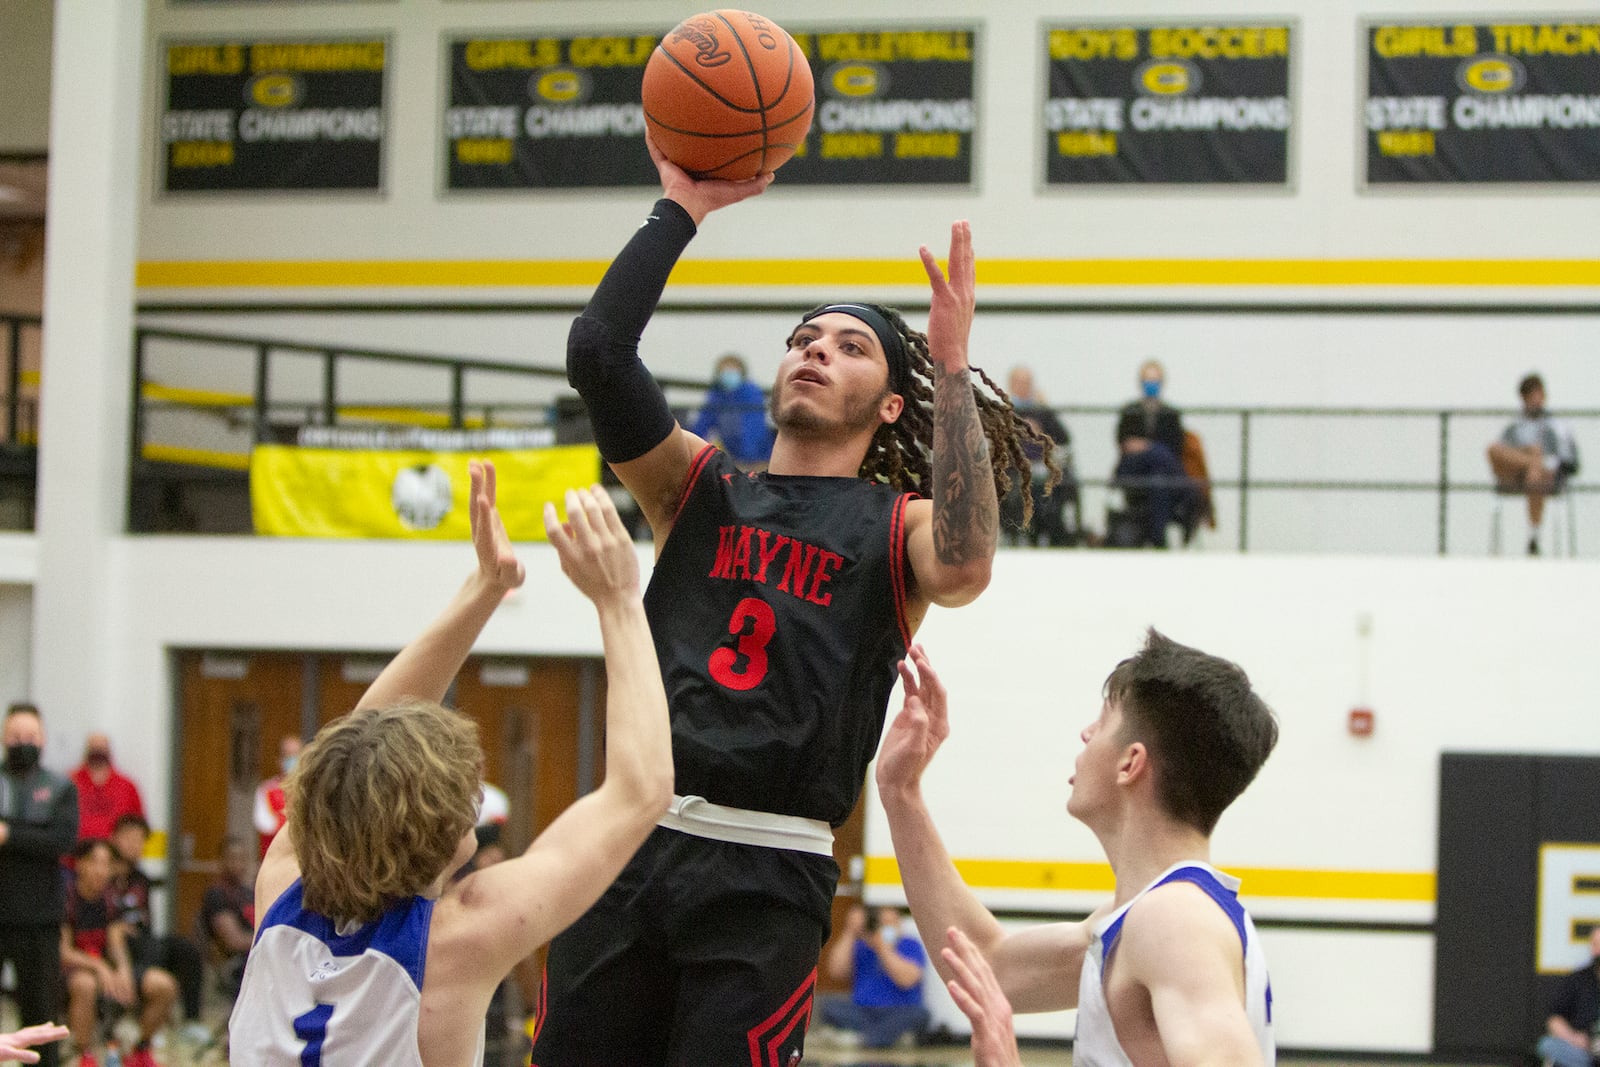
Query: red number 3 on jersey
[752,646]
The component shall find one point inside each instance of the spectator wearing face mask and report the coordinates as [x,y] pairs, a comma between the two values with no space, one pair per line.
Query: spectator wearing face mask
[1150,463]
[105,794]
[735,414]
[38,825]
[271,809]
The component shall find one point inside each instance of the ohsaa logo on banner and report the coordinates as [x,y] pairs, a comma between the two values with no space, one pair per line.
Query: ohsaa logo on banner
[421,496]
[1167,77]
[563,85]
[274,90]
[1492,73]
[855,80]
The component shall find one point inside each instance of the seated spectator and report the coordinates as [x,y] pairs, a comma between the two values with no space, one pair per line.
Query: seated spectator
[97,963]
[228,913]
[1149,469]
[104,793]
[1534,456]
[1055,514]
[734,414]
[270,806]
[1572,1033]
[884,968]
[130,900]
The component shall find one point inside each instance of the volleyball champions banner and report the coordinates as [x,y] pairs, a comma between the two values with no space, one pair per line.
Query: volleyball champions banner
[537,112]
[284,115]
[1506,101]
[1167,104]
[894,107]
[418,494]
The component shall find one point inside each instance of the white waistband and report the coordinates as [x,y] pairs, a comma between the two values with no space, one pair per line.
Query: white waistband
[700,817]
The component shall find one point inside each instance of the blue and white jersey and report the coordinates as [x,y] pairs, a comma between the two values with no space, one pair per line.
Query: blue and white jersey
[1096,1042]
[317,995]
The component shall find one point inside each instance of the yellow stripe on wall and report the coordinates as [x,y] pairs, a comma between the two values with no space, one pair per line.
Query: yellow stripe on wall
[1408,886]
[745,273]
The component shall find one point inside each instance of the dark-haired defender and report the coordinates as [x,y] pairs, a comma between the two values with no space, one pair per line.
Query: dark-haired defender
[366,951]
[780,604]
[1169,970]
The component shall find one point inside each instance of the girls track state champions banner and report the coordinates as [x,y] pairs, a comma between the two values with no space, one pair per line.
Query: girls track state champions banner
[1167,104]
[283,115]
[1504,101]
[409,484]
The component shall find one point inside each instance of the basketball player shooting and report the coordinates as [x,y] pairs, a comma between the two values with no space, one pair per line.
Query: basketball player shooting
[780,604]
[366,951]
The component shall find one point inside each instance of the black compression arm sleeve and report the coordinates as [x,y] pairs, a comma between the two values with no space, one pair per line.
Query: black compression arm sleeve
[627,409]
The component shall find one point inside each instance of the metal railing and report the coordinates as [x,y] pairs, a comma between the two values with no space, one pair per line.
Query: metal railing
[247,390]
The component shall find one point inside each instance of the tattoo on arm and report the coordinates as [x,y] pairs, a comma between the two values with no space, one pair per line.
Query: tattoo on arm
[966,512]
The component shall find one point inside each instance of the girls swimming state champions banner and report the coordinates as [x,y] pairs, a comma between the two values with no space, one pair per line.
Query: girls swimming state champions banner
[1167,104]
[284,115]
[1509,101]
[894,107]
[410,484]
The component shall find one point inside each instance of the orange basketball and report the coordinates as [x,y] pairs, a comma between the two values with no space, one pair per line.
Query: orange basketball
[727,94]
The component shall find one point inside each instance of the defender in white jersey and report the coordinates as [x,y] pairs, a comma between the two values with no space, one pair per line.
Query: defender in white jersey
[1169,971]
[366,952]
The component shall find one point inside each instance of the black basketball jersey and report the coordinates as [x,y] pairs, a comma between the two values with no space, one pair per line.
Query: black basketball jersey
[778,611]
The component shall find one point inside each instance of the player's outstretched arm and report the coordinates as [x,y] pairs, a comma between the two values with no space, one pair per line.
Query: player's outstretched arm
[1038,968]
[977,993]
[633,427]
[1186,953]
[425,668]
[952,538]
[522,903]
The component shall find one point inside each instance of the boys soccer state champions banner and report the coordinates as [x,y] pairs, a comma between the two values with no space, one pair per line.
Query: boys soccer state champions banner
[1507,101]
[410,484]
[1167,104]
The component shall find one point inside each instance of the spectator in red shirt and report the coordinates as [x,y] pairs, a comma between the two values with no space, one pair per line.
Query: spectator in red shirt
[104,793]
[270,813]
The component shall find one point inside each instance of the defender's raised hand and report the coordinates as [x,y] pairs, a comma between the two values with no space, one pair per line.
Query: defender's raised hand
[497,560]
[919,729]
[954,299]
[596,551]
[977,993]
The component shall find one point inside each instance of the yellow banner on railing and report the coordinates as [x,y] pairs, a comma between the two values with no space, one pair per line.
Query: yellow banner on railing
[338,492]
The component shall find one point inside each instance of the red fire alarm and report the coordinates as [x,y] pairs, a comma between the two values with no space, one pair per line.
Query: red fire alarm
[1361,722]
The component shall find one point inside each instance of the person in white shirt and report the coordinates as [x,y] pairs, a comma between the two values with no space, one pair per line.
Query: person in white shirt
[367,951]
[1169,971]
[1534,456]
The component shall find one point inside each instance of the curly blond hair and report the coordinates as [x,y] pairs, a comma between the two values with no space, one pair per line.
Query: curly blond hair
[378,804]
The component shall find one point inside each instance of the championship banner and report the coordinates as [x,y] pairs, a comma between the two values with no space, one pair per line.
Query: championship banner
[417,493]
[894,107]
[296,115]
[1498,102]
[1168,104]
[547,113]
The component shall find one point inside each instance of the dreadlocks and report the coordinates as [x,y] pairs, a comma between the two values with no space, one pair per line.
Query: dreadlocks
[901,453]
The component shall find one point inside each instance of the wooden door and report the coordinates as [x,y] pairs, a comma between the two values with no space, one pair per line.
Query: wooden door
[849,850]
[234,708]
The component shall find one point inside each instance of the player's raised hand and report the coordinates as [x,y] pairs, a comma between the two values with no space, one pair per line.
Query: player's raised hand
[18,1046]
[919,729]
[497,560]
[701,196]
[954,299]
[596,551]
[977,993]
